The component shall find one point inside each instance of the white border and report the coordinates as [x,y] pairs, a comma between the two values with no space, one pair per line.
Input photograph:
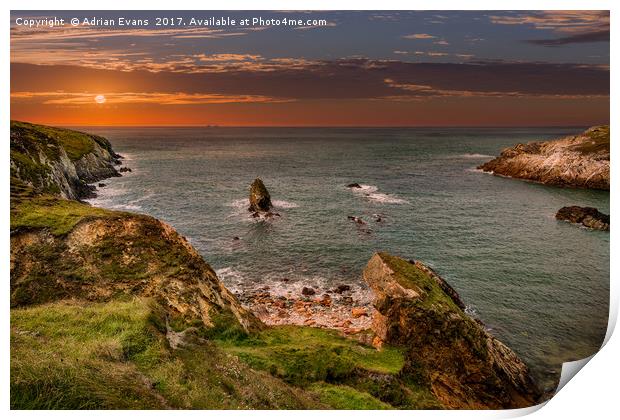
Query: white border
[593,394]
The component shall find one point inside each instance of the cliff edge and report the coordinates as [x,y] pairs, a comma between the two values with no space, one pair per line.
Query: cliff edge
[61,248]
[113,310]
[59,161]
[462,363]
[574,161]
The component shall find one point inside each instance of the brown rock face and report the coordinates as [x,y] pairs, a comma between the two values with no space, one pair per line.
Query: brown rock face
[574,161]
[40,160]
[464,365]
[134,255]
[260,200]
[587,216]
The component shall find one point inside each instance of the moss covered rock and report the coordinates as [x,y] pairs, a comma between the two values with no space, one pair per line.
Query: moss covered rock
[260,200]
[106,254]
[59,161]
[464,365]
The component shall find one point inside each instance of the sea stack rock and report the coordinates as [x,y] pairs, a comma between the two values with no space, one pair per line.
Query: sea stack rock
[463,364]
[260,200]
[574,161]
[587,216]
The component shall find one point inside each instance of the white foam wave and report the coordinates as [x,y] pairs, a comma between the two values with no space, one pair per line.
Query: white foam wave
[474,156]
[129,207]
[281,204]
[372,192]
[127,158]
[232,278]
[241,205]
[367,188]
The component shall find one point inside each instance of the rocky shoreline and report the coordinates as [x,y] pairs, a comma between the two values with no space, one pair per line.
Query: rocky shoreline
[336,311]
[580,161]
[414,346]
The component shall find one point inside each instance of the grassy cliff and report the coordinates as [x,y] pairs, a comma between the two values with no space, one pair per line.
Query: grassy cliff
[115,310]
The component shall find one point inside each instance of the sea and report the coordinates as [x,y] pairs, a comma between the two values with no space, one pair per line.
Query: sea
[540,285]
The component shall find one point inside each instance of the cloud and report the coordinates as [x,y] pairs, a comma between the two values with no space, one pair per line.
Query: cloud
[84,54]
[419,36]
[385,16]
[418,92]
[294,79]
[599,36]
[227,57]
[432,53]
[574,21]
[579,26]
[23,34]
[327,25]
[159,98]
[442,42]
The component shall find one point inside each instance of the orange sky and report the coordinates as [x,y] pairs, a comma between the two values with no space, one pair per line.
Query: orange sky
[500,69]
[430,112]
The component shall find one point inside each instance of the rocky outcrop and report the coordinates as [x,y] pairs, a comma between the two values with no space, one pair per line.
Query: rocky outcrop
[62,249]
[60,161]
[260,200]
[462,363]
[587,216]
[574,161]
[122,254]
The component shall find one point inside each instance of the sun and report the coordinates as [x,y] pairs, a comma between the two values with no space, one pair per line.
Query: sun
[100,99]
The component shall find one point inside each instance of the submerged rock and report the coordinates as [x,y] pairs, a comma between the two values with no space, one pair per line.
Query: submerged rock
[124,169]
[587,216]
[462,363]
[342,288]
[260,200]
[574,161]
[357,220]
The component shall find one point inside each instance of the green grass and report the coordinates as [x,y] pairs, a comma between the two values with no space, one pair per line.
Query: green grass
[75,354]
[342,397]
[599,140]
[411,277]
[301,355]
[114,355]
[75,143]
[58,215]
[65,356]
